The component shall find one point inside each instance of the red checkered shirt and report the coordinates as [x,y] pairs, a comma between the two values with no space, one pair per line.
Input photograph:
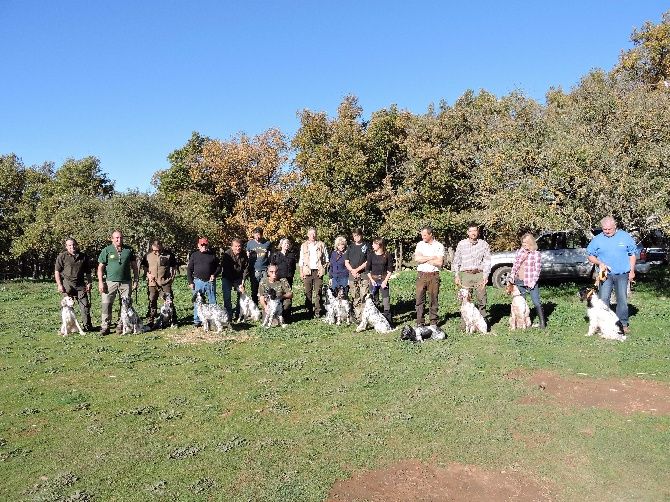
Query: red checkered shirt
[531,261]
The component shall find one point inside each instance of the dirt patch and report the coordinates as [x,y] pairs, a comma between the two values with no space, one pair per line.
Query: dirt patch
[199,335]
[411,480]
[627,396]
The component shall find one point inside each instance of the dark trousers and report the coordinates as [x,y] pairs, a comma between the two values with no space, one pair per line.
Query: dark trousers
[313,283]
[79,292]
[427,282]
[154,293]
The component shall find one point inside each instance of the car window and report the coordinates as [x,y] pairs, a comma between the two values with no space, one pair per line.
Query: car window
[574,240]
[545,242]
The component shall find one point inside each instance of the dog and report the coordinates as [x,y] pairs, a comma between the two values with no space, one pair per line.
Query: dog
[273,309]
[129,318]
[520,312]
[248,309]
[601,317]
[166,314]
[70,323]
[211,313]
[338,308]
[421,333]
[472,317]
[373,317]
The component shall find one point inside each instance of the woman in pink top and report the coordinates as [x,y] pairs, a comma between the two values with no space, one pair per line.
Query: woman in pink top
[526,272]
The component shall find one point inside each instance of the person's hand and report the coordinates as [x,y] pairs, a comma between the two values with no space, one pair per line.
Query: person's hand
[631,275]
[102,288]
[240,288]
[60,288]
[330,282]
[457,280]
[192,286]
[483,283]
[384,284]
[211,278]
[136,284]
[88,287]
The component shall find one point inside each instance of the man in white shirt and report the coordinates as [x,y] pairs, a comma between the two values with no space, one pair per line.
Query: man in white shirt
[429,255]
[312,264]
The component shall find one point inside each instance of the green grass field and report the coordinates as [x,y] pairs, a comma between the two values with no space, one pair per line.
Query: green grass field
[285,413]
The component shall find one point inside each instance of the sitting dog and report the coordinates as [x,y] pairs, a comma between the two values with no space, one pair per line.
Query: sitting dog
[601,317]
[166,314]
[248,309]
[70,323]
[129,318]
[211,313]
[373,317]
[421,333]
[520,312]
[338,308]
[473,319]
[273,309]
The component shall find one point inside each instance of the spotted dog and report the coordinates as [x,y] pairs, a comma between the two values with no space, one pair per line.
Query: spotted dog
[473,319]
[248,309]
[421,333]
[373,317]
[338,308]
[130,321]
[69,319]
[166,315]
[520,312]
[211,313]
[273,309]
[601,317]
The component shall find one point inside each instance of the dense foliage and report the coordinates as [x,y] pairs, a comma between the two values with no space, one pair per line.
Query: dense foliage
[509,163]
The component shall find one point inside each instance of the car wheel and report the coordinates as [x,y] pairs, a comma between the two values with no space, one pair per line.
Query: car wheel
[501,276]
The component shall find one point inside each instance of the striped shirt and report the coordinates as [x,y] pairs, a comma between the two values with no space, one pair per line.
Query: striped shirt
[531,262]
[470,256]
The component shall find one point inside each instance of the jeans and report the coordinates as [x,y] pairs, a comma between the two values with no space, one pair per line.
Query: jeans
[227,286]
[340,281]
[618,282]
[208,289]
[534,292]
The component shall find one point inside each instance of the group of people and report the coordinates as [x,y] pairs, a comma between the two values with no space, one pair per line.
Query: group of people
[358,267]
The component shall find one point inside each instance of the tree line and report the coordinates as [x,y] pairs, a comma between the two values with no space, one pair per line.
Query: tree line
[509,163]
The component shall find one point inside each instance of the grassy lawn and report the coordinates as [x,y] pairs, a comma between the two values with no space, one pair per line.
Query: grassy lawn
[284,414]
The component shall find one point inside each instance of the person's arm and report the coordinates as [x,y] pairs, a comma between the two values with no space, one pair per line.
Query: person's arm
[102,287]
[301,262]
[189,271]
[289,292]
[58,268]
[486,264]
[389,271]
[517,263]
[633,260]
[216,266]
[136,272]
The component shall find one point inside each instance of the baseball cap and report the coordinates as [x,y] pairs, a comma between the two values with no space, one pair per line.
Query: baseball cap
[203,240]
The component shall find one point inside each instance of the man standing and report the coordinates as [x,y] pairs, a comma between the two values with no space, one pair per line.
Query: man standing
[258,250]
[160,267]
[73,278]
[281,287]
[429,254]
[201,272]
[472,265]
[115,262]
[234,269]
[356,259]
[614,250]
[312,262]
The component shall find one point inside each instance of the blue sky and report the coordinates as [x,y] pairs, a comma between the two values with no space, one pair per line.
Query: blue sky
[128,81]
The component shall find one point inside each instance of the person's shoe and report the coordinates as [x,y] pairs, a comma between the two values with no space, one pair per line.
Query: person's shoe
[626,330]
[104,331]
[88,327]
[197,324]
[119,329]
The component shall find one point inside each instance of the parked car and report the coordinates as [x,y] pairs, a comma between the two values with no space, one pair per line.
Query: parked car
[563,256]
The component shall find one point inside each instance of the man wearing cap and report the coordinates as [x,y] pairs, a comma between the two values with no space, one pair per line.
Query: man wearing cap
[73,278]
[160,268]
[201,272]
[429,255]
[258,251]
[356,259]
[115,263]
[234,270]
[472,265]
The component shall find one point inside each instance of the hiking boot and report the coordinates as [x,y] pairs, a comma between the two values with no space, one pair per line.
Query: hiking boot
[104,331]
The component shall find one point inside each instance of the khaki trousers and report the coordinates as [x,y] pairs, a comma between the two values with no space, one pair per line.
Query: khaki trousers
[427,282]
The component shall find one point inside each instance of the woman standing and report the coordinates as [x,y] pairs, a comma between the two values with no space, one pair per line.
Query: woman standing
[379,270]
[526,272]
[285,260]
[339,275]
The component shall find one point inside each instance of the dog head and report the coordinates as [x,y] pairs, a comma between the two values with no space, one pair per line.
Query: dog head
[271,294]
[341,293]
[408,333]
[67,301]
[126,301]
[167,299]
[512,290]
[463,295]
[585,294]
[197,297]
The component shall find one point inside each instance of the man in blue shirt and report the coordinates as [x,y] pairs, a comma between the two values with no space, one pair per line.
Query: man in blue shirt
[258,250]
[615,250]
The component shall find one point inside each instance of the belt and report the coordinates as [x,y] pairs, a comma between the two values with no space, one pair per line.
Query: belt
[472,271]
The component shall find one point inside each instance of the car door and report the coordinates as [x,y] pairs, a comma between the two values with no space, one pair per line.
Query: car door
[573,256]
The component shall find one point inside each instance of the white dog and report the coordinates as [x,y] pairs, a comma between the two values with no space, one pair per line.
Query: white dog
[273,309]
[211,313]
[338,308]
[472,317]
[70,323]
[601,317]
[248,309]
[166,315]
[519,317]
[421,333]
[129,318]
[373,317]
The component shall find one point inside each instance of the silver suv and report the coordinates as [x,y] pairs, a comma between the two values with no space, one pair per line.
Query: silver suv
[563,256]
